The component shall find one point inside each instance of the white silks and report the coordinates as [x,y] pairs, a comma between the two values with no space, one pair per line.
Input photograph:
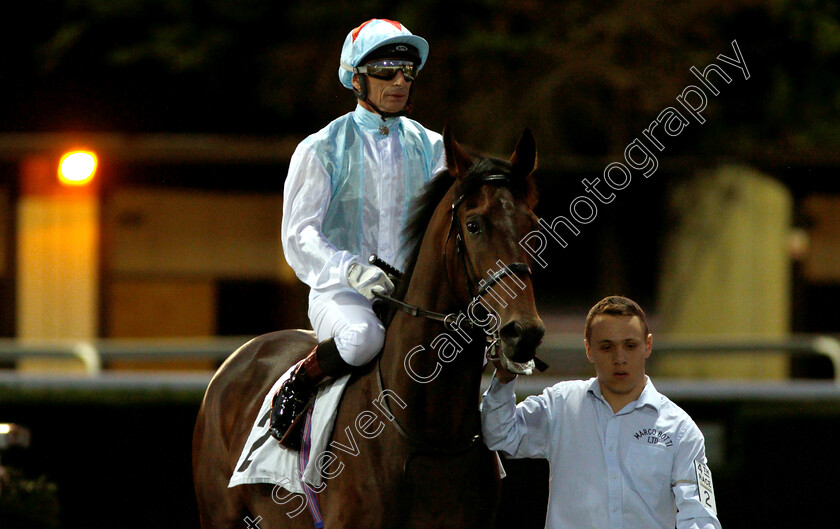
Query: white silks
[349,194]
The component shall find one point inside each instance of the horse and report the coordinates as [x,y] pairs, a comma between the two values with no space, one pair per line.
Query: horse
[410,419]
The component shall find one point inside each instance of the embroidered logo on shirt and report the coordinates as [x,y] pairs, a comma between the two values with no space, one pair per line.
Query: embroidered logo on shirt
[654,436]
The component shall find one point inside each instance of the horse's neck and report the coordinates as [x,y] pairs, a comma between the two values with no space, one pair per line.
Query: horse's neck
[448,402]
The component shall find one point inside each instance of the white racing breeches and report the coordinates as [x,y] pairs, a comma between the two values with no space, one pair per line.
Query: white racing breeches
[347,316]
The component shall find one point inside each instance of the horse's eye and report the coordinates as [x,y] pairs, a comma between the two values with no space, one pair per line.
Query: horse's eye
[473,227]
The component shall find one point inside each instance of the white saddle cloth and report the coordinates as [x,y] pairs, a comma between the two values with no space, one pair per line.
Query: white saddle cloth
[263,460]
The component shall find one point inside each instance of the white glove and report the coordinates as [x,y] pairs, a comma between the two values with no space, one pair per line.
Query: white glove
[367,279]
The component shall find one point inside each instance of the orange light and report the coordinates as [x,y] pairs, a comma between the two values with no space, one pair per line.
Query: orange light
[77,168]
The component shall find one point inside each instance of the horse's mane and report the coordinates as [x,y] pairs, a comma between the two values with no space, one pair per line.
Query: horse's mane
[433,192]
[423,208]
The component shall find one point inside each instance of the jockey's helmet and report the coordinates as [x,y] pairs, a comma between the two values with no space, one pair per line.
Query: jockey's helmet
[378,39]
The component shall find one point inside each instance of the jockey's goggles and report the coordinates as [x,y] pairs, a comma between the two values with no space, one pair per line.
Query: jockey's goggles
[386,69]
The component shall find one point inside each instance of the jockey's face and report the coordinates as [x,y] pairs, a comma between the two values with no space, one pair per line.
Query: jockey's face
[388,96]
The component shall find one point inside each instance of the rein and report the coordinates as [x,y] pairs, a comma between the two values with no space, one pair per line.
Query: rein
[450,318]
[419,447]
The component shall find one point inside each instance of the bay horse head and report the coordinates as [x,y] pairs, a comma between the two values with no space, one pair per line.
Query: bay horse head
[492,212]
[470,248]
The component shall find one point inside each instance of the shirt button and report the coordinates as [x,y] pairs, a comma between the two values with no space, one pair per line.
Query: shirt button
[611,449]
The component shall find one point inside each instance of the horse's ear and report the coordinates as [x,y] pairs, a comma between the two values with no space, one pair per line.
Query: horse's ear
[458,161]
[524,157]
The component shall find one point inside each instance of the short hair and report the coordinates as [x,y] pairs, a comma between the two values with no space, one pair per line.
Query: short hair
[615,306]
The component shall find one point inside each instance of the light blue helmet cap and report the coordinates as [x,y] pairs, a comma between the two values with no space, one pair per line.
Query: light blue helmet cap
[373,34]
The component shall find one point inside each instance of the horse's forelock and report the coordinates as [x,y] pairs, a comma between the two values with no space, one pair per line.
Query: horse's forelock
[423,208]
[523,187]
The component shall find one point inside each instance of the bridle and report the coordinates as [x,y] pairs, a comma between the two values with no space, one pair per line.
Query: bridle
[483,285]
[461,248]
[475,288]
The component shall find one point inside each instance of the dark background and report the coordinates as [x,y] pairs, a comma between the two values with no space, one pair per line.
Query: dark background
[587,77]
[138,472]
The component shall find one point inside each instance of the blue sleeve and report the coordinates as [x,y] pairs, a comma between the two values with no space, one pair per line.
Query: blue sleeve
[519,431]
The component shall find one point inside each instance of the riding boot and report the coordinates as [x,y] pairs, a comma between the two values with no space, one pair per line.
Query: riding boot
[295,395]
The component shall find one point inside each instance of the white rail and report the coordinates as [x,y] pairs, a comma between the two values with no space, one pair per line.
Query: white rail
[556,349]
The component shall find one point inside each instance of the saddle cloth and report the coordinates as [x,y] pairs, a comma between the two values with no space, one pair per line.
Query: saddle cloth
[263,460]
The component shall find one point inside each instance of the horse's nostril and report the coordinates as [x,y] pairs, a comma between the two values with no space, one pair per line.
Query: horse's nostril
[521,337]
[532,337]
[512,332]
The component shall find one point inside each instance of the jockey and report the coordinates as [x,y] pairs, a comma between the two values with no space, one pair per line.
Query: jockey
[347,195]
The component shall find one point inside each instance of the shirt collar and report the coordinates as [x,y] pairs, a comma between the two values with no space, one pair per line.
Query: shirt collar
[371,121]
[594,388]
[649,397]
